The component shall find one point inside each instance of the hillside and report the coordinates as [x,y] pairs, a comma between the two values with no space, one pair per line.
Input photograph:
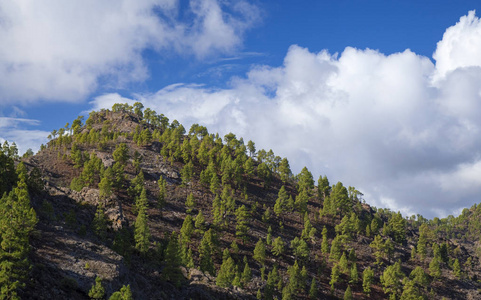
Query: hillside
[136,200]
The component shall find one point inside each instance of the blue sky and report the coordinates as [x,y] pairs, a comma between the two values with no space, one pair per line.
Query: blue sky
[381,95]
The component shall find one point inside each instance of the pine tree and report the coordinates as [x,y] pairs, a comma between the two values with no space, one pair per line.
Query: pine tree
[325,242]
[306,181]
[124,294]
[323,188]
[391,279]
[419,277]
[249,167]
[214,183]
[313,289]
[410,291]
[308,228]
[294,276]
[278,246]
[106,184]
[343,263]
[99,224]
[173,260]
[17,221]
[378,246]
[260,252]
[354,276]
[367,280]
[206,252]
[187,172]
[142,232]
[281,202]
[435,268]
[247,273]
[217,210]
[335,274]
[226,274]
[284,170]
[189,203]
[162,193]
[200,222]
[301,202]
[186,230]
[340,199]
[242,218]
[348,293]
[457,268]
[97,291]
[335,253]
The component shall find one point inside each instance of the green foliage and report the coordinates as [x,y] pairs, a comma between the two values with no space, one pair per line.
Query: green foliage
[391,279]
[278,246]
[121,153]
[186,230]
[313,289]
[435,268]
[323,188]
[161,200]
[187,172]
[457,268]
[301,201]
[124,294]
[343,264]
[397,225]
[106,184]
[242,218]
[300,248]
[214,183]
[205,253]
[97,291]
[260,252]
[340,199]
[335,275]
[378,246]
[226,274]
[294,277]
[335,253]
[142,232]
[172,261]
[265,173]
[284,170]
[281,202]
[354,275]
[17,221]
[348,293]
[419,277]
[306,181]
[247,273]
[325,242]
[411,291]
[189,203]
[99,223]
[367,280]
[200,221]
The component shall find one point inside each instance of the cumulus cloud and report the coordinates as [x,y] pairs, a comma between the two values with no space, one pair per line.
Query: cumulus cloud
[11,130]
[403,130]
[60,50]
[460,45]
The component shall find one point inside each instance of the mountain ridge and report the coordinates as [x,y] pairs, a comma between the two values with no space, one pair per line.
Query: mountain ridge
[94,190]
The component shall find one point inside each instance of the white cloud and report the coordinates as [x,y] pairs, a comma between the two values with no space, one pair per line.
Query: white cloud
[10,130]
[59,50]
[460,46]
[374,121]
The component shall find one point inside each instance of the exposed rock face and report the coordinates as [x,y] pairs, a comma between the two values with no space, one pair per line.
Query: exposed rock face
[73,262]
[90,196]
